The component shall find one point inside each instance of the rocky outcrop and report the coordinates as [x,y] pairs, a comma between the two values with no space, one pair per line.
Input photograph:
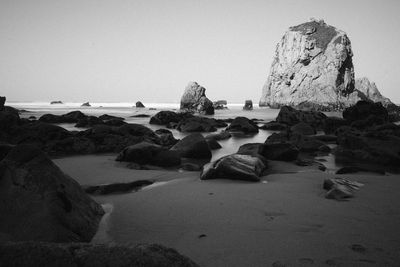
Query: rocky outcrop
[290,116]
[312,68]
[194,100]
[27,254]
[86,104]
[248,105]
[244,125]
[139,104]
[370,91]
[235,167]
[39,202]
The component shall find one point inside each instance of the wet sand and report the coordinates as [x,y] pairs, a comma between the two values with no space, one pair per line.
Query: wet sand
[282,221]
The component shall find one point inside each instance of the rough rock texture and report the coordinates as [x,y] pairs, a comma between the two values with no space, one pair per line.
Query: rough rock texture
[39,202]
[194,100]
[193,146]
[312,68]
[243,124]
[235,167]
[370,91]
[248,105]
[24,254]
[139,104]
[290,116]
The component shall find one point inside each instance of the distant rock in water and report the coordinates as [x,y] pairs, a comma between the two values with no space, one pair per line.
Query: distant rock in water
[248,105]
[194,100]
[220,104]
[139,104]
[312,68]
[86,104]
[56,102]
[2,102]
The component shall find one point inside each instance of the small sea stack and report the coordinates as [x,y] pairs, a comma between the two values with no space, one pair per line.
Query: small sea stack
[248,105]
[139,104]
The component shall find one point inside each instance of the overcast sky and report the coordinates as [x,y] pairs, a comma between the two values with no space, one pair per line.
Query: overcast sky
[148,50]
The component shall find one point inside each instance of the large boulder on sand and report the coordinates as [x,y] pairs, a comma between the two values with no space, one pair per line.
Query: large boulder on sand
[28,254]
[235,167]
[39,202]
[282,151]
[148,153]
[194,100]
[312,67]
[291,116]
[193,146]
[243,124]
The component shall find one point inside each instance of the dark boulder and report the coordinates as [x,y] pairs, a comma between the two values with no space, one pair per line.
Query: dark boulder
[193,146]
[303,128]
[290,116]
[86,104]
[4,150]
[191,167]
[165,117]
[27,254]
[244,125]
[223,135]
[71,117]
[106,117]
[148,153]
[2,102]
[213,144]
[274,126]
[40,203]
[279,151]
[56,102]
[88,121]
[198,124]
[235,167]
[139,104]
[363,109]
[248,105]
[331,124]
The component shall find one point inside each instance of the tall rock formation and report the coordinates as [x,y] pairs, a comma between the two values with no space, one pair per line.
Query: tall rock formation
[194,100]
[312,68]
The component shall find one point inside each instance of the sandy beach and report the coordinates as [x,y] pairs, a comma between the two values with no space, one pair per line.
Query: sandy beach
[284,220]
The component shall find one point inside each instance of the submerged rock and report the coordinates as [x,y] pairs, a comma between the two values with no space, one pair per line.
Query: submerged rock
[39,202]
[27,254]
[194,100]
[235,167]
[56,102]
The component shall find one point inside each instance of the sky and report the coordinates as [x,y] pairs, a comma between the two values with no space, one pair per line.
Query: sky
[149,50]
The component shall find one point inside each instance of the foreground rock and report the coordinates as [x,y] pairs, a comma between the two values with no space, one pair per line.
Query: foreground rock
[39,202]
[291,116]
[340,189]
[235,167]
[2,102]
[24,254]
[194,100]
[193,146]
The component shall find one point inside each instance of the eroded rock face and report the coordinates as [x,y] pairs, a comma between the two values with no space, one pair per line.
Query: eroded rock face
[40,203]
[194,99]
[312,68]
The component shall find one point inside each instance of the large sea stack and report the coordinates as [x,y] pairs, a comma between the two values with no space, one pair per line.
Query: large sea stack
[312,68]
[194,100]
